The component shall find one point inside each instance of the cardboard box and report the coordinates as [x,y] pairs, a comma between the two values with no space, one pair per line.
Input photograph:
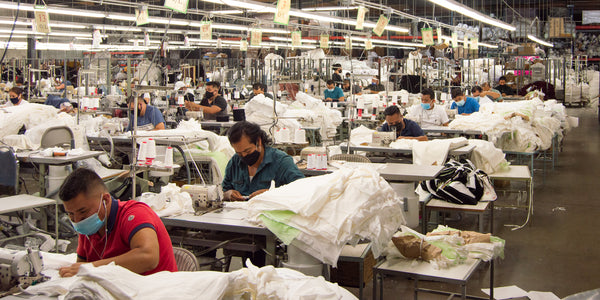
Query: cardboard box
[527,49]
[346,273]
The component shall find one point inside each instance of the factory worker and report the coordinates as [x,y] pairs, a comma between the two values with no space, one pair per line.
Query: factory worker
[15,96]
[128,233]
[337,75]
[504,89]
[258,89]
[466,105]
[405,128]
[333,93]
[486,91]
[348,76]
[62,83]
[255,164]
[149,117]
[212,104]
[181,89]
[375,87]
[428,112]
[356,90]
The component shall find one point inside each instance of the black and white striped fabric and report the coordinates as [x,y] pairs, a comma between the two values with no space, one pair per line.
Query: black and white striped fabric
[459,182]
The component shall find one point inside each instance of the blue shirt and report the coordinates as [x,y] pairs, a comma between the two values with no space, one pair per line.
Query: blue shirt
[55,101]
[276,165]
[67,83]
[411,128]
[335,95]
[151,116]
[471,106]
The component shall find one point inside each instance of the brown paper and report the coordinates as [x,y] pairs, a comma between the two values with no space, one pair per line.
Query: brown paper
[410,247]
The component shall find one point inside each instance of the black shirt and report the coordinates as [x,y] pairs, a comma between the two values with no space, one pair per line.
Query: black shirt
[220,102]
[505,89]
[337,78]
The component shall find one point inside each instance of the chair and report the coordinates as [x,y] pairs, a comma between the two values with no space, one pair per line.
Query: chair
[185,260]
[350,158]
[9,178]
[58,136]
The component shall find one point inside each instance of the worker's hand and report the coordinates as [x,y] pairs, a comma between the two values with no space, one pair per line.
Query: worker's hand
[328,99]
[69,271]
[258,193]
[233,195]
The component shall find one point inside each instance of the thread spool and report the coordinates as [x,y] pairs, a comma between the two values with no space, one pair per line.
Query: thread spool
[150,151]
[285,135]
[141,159]
[300,136]
[169,157]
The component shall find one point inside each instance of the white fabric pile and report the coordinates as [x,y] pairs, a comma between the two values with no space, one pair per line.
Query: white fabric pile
[114,282]
[321,214]
[169,202]
[435,152]
[486,156]
[516,134]
[361,136]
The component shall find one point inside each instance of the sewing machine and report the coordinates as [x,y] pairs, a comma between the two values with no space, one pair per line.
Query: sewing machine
[205,198]
[382,138]
[20,269]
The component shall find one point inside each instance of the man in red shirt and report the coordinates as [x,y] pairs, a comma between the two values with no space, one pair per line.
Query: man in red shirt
[130,233]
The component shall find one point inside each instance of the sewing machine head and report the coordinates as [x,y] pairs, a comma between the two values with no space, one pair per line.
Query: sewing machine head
[204,198]
[20,268]
[381,138]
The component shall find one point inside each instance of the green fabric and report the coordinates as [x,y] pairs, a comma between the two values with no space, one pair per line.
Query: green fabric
[275,222]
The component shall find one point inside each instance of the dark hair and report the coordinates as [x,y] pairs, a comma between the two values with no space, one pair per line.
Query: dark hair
[131,99]
[258,86]
[428,91]
[16,90]
[214,83]
[502,78]
[347,73]
[456,92]
[19,80]
[251,130]
[476,89]
[330,82]
[391,110]
[485,84]
[82,180]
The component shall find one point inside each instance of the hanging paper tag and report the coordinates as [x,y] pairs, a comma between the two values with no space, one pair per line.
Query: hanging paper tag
[141,16]
[219,43]
[427,36]
[439,35]
[324,41]
[71,46]
[282,14]
[368,44]
[206,30]
[474,44]
[255,37]
[454,40]
[243,45]
[146,39]
[380,26]
[296,38]
[466,42]
[360,17]
[41,19]
[177,5]
[96,38]
[348,42]
[186,42]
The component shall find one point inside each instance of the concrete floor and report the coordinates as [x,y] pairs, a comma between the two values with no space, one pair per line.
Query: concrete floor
[557,251]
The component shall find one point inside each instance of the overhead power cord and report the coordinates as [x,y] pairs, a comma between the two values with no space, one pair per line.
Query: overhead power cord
[11,32]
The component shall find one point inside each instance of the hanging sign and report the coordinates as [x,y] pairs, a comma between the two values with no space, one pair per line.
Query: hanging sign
[474,44]
[348,42]
[219,43]
[282,13]
[368,44]
[380,26]
[360,17]
[206,30]
[177,5]
[255,37]
[439,35]
[186,41]
[427,36]
[141,16]
[324,41]
[146,39]
[41,19]
[72,46]
[96,38]
[454,40]
[296,38]
[466,43]
[243,45]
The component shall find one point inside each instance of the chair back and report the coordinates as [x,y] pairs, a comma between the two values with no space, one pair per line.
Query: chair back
[9,177]
[185,260]
[351,158]
[58,136]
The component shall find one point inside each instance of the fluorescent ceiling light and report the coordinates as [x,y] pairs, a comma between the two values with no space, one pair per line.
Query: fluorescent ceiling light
[487,45]
[5,36]
[117,28]
[227,12]
[471,13]
[388,42]
[330,8]
[121,17]
[540,41]
[284,39]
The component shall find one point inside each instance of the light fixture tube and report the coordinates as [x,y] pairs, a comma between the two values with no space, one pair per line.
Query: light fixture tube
[540,41]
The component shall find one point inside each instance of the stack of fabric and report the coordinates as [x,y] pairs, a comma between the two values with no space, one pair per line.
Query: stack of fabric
[322,214]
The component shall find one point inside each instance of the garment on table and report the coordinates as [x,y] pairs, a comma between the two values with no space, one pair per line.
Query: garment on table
[125,219]
[55,101]
[471,106]
[276,165]
[411,128]
[267,95]
[505,89]
[152,116]
[220,102]
[335,95]
[430,117]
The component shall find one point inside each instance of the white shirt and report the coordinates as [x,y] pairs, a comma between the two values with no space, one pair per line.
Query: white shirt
[9,104]
[430,117]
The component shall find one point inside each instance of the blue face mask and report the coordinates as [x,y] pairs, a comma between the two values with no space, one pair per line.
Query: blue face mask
[331,90]
[91,224]
[425,106]
[461,102]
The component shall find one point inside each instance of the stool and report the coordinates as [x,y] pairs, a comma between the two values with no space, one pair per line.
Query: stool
[360,254]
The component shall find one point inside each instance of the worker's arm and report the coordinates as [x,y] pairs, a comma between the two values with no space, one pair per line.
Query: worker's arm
[492,94]
[192,106]
[341,99]
[233,195]
[213,109]
[446,124]
[159,126]
[422,138]
[143,256]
